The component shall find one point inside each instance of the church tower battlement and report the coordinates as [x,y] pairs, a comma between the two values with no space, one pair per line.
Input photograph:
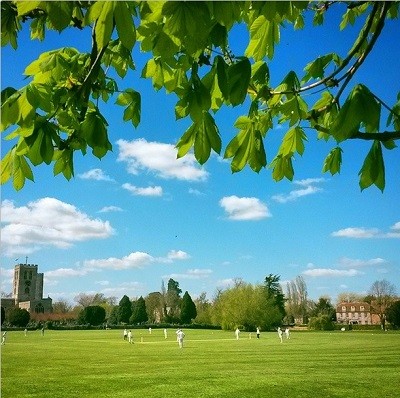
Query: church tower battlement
[28,283]
[27,290]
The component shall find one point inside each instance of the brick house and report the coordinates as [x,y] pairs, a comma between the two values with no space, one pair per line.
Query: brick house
[357,313]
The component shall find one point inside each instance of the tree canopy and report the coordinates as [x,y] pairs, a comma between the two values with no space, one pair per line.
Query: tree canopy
[188,308]
[93,315]
[139,313]
[58,112]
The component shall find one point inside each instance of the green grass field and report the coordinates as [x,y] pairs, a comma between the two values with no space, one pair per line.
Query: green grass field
[211,364]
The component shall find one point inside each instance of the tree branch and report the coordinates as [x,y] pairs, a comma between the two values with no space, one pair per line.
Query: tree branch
[350,73]
[383,136]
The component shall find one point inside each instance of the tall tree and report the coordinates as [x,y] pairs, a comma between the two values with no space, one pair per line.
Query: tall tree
[61,306]
[188,309]
[155,304]
[323,307]
[349,297]
[297,299]
[85,299]
[191,54]
[113,317]
[393,314]
[273,291]
[124,309]
[139,313]
[173,300]
[93,315]
[381,295]
[245,305]
[203,308]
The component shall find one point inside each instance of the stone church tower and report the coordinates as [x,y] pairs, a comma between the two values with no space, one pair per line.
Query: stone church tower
[28,290]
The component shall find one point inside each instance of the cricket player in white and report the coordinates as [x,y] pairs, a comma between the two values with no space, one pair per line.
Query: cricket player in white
[180,335]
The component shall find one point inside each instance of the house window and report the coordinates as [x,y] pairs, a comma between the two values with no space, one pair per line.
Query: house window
[344,308]
[353,308]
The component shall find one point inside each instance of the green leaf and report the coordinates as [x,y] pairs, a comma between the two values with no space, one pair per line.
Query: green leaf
[260,73]
[160,72]
[64,163]
[333,161]
[238,81]
[282,167]
[6,166]
[316,68]
[264,34]
[124,24]
[119,57]
[222,75]
[10,24]
[15,166]
[203,135]
[373,168]
[132,100]
[102,13]
[59,13]
[40,143]
[293,142]
[94,132]
[293,109]
[39,96]
[190,22]
[227,13]
[186,141]
[360,107]
[25,7]
[289,83]
[247,146]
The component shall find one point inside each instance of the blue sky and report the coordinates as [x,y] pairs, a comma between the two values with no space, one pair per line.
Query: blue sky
[139,216]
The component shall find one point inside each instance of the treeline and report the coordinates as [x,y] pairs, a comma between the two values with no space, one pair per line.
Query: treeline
[242,305]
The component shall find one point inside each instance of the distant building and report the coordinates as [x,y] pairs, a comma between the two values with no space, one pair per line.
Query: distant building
[358,313]
[28,290]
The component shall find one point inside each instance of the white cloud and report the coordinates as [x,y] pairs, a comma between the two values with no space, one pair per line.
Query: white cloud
[244,208]
[309,189]
[108,209]
[148,191]
[65,273]
[195,192]
[357,263]
[225,283]
[328,272]
[102,283]
[133,260]
[395,231]
[357,233]
[177,255]
[368,233]
[191,274]
[95,174]
[309,181]
[396,226]
[47,222]
[159,158]
[130,289]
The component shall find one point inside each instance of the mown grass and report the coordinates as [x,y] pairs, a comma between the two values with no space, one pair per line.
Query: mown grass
[212,364]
